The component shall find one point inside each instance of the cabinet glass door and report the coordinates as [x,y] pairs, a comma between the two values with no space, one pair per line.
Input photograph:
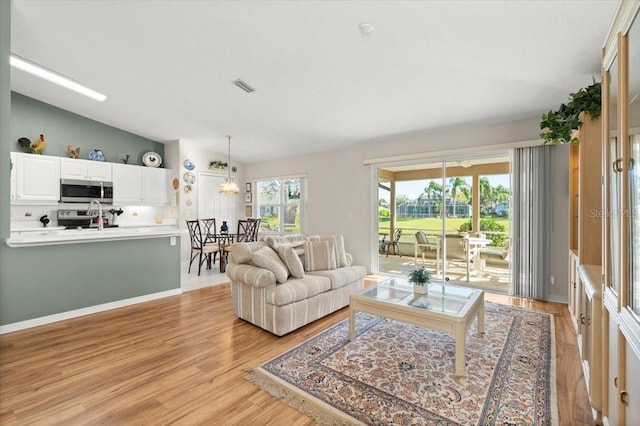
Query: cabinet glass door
[633,120]
[613,214]
[634,225]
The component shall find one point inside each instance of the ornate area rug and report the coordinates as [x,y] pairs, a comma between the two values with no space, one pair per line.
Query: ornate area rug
[400,374]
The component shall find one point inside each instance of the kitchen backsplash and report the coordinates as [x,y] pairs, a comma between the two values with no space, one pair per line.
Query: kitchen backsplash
[28,216]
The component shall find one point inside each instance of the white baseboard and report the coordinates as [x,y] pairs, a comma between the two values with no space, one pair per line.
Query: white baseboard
[35,322]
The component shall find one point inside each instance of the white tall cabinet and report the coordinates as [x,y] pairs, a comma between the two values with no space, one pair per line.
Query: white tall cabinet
[621,210]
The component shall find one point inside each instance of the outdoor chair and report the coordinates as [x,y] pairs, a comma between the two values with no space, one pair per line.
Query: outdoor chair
[425,243]
[394,243]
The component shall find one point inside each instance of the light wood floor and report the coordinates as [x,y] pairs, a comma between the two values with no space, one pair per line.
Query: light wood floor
[182,360]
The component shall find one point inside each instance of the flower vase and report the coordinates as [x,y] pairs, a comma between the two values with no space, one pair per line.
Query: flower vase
[224,229]
[420,288]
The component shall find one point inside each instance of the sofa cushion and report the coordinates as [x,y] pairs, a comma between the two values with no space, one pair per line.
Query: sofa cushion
[341,255]
[275,241]
[292,261]
[269,259]
[341,276]
[242,252]
[297,289]
[319,255]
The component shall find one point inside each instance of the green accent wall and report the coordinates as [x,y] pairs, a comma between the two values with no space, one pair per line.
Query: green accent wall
[45,280]
[30,118]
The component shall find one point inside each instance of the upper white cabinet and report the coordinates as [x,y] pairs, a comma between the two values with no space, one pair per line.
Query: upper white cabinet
[37,179]
[155,186]
[127,184]
[73,168]
[140,185]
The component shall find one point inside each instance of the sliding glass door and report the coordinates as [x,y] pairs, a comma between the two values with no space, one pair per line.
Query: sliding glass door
[452,217]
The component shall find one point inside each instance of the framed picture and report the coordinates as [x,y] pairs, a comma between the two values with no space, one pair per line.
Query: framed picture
[248,211]
[248,198]
[247,187]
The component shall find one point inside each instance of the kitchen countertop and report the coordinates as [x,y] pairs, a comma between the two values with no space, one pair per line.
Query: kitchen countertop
[59,235]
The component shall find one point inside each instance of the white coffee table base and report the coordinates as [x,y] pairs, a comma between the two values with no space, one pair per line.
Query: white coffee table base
[454,324]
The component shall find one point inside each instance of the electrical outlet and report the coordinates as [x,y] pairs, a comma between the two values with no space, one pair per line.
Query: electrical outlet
[552,279]
[173,241]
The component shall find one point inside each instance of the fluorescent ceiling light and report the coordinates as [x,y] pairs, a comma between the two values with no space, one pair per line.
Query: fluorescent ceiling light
[54,77]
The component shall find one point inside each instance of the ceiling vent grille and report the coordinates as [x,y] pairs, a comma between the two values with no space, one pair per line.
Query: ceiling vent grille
[244,86]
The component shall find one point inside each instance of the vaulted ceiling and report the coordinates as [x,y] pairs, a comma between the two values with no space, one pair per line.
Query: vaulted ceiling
[320,83]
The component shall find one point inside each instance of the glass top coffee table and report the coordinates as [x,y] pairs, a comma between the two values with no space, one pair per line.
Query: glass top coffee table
[445,308]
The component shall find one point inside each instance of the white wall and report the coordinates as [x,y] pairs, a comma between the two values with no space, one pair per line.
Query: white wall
[342,191]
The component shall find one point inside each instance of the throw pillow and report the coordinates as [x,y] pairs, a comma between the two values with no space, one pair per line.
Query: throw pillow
[341,255]
[319,255]
[292,260]
[268,259]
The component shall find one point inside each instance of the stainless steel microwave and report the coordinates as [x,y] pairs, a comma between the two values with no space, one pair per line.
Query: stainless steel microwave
[84,191]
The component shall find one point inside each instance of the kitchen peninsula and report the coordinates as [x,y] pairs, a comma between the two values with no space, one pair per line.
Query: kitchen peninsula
[59,235]
[52,274]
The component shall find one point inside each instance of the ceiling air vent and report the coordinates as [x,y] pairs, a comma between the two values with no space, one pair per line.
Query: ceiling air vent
[244,86]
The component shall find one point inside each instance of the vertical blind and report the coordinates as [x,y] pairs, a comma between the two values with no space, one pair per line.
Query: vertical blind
[531,221]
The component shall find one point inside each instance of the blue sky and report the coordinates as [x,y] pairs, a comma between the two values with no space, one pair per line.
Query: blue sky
[413,188]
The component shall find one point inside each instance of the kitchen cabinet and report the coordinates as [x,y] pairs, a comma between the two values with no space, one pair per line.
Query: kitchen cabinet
[12,179]
[36,179]
[127,184]
[137,185]
[590,333]
[74,168]
[155,186]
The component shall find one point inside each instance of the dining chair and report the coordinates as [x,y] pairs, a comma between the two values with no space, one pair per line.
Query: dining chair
[199,246]
[394,243]
[209,230]
[256,228]
[247,230]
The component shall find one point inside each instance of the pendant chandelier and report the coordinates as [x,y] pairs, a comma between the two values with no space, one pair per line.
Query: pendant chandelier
[229,186]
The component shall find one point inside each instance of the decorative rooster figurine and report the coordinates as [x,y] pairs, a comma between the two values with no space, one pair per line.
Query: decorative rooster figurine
[73,153]
[38,146]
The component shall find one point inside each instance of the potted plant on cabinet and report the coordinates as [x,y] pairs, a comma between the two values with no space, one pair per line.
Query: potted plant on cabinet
[558,127]
[420,278]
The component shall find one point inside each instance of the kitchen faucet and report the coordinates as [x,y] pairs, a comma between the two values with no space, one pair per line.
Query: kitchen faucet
[89,213]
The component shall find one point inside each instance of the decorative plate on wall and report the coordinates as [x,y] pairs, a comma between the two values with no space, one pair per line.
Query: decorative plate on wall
[187,189]
[189,178]
[189,165]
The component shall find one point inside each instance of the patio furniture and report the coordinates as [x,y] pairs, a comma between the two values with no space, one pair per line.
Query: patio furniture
[394,243]
[425,243]
[473,246]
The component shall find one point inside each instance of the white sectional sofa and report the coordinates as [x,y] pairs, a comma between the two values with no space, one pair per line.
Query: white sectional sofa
[283,283]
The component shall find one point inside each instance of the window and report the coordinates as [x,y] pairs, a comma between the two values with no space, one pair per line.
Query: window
[280,203]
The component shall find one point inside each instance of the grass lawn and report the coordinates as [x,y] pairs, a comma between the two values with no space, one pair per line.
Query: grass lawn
[433,224]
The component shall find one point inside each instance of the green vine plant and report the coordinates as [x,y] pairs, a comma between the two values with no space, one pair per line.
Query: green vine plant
[558,126]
